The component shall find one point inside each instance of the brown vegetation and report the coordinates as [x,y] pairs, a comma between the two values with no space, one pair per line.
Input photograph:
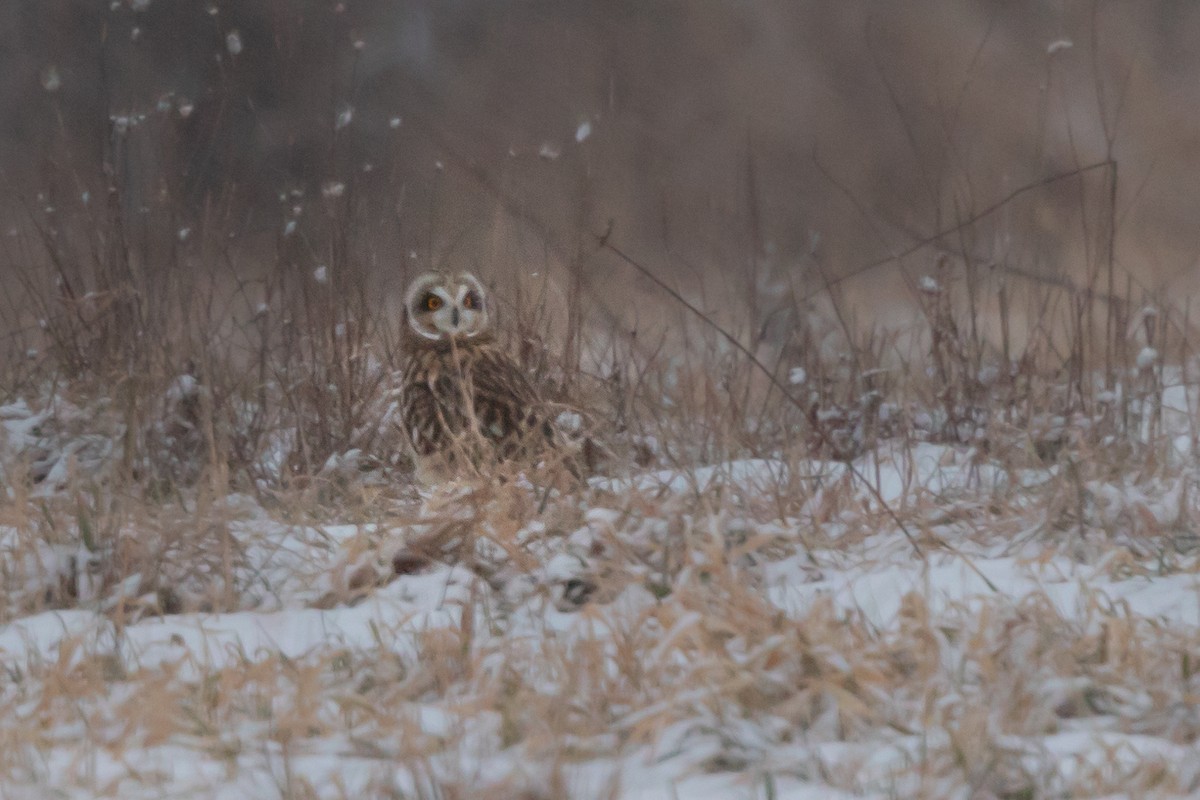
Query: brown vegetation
[834,238]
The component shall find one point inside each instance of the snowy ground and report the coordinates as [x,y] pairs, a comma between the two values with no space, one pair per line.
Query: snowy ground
[751,629]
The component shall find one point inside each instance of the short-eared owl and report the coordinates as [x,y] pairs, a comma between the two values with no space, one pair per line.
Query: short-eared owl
[464,401]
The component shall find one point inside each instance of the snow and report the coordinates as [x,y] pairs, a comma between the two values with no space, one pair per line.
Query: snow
[39,638]
[956,583]
[51,80]
[221,641]
[755,472]
[399,689]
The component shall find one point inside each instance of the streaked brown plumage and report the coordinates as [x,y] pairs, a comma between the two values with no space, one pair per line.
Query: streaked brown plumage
[464,402]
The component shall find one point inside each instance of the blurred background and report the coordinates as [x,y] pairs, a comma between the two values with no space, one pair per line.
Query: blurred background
[751,155]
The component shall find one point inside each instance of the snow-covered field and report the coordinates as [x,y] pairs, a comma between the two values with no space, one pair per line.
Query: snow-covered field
[758,628]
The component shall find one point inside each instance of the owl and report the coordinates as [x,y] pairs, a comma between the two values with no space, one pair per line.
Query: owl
[464,401]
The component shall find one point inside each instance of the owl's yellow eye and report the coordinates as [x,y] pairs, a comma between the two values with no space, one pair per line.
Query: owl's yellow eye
[433,302]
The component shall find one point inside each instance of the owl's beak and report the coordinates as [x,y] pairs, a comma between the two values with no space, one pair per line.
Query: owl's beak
[454,318]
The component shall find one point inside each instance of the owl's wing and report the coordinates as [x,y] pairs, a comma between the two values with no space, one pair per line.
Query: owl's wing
[506,405]
[420,417]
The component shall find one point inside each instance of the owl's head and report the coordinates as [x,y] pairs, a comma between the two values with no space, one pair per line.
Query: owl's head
[443,307]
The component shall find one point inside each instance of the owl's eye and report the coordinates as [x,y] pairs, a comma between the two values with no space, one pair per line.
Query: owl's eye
[433,302]
[471,300]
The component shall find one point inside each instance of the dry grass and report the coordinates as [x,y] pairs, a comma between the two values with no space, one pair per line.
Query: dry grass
[537,639]
[936,559]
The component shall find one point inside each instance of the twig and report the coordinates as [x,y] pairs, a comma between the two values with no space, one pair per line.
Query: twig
[971,220]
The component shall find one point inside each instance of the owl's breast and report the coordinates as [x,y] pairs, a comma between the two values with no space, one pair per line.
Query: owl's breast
[468,392]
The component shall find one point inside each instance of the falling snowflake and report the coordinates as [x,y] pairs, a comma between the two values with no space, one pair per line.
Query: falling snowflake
[51,81]
[344,118]
[583,131]
[233,41]
[333,189]
[549,151]
[321,274]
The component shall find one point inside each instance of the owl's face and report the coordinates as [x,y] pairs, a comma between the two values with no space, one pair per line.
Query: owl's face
[447,307]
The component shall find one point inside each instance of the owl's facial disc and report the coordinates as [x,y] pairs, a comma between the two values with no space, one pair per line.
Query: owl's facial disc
[438,314]
[470,316]
[441,308]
